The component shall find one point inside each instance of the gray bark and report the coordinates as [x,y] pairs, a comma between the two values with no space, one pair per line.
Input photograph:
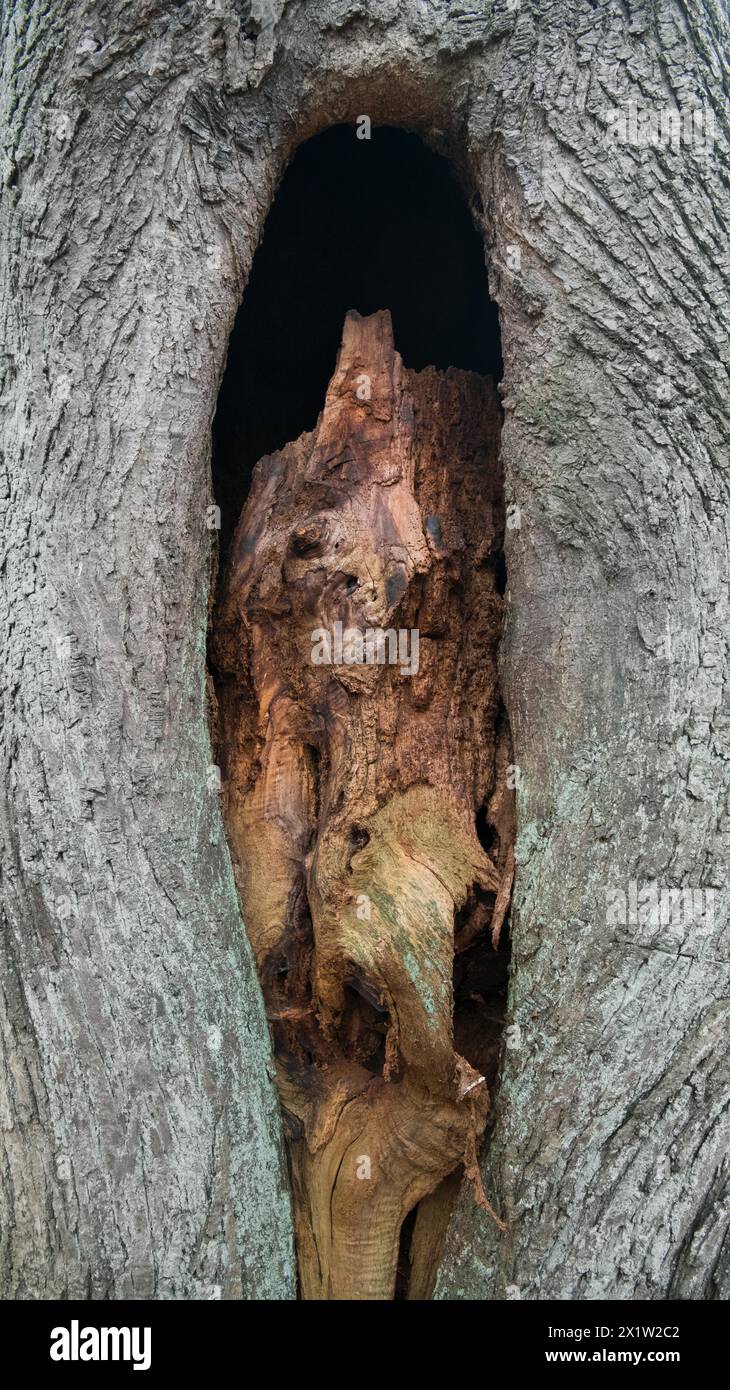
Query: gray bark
[141,1149]
[140,1141]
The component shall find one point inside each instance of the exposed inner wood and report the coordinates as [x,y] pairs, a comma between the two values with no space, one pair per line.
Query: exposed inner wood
[352,790]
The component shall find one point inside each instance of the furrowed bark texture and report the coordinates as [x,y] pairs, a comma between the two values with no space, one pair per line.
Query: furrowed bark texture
[360,734]
[140,1135]
[143,143]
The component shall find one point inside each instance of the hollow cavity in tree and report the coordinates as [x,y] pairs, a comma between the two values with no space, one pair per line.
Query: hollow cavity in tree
[361,734]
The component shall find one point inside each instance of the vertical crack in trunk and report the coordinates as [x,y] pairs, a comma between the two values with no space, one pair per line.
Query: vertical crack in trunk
[362,737]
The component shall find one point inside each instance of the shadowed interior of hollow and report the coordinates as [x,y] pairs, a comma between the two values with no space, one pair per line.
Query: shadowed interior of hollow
[365,225]
[356,224]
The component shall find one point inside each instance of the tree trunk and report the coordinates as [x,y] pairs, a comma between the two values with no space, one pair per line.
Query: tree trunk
[141,1137]
[141,1146]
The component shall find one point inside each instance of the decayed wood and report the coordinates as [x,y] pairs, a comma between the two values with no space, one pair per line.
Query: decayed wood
[353,783]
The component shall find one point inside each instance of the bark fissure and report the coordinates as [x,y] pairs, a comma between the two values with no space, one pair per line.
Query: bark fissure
[360,618]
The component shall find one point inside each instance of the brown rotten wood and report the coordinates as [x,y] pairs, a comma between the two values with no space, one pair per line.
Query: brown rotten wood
[353,785]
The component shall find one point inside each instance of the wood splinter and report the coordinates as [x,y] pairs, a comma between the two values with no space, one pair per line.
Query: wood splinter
[360,732]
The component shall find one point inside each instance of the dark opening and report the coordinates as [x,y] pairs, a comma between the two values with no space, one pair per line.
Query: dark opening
[403,1271]
[356,224]
[365,225]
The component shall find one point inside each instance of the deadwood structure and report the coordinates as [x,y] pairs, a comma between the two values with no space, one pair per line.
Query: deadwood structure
[353,789]
[142,1149]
